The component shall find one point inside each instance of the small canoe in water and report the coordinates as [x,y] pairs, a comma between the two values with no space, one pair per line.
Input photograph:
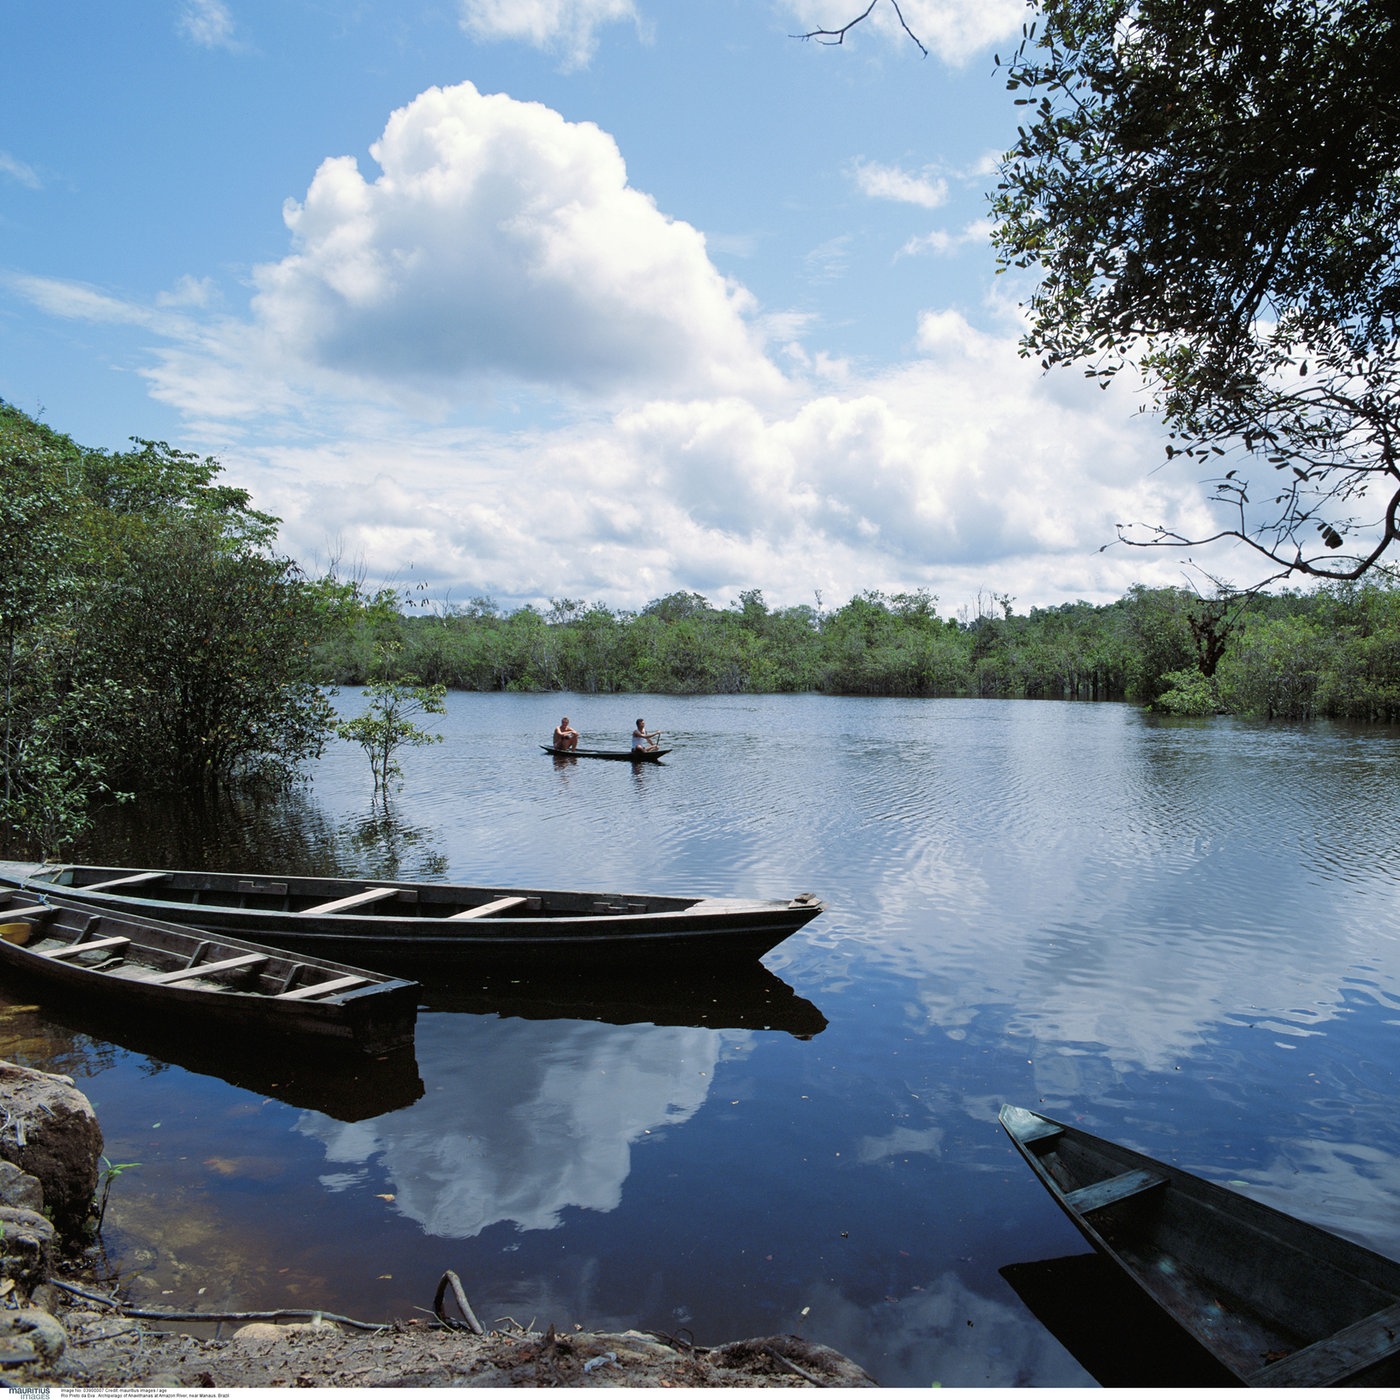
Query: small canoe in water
[218,985]
[440,929]
[620,755]
[1275,1300]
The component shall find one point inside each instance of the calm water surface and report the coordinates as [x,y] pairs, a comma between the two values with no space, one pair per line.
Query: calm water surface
[1180,935]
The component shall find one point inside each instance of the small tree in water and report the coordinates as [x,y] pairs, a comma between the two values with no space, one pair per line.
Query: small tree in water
[388,726]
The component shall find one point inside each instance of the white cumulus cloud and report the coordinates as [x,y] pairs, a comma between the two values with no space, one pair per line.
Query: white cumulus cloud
[890,182]
[501,242]
[568,27]
[207,23]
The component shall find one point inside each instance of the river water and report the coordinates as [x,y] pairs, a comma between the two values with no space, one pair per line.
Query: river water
[1181,935]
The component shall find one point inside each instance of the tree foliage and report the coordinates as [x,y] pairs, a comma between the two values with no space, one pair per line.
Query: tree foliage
[389,723]
[150,637]
[1210,193]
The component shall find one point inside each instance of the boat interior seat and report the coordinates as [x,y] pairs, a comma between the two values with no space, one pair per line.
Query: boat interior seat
[318,989]
[143,877]
[496,906]
[72,949]
[1113,1190]
[29,911]
[352,901]
[1342,1354]
[206,969]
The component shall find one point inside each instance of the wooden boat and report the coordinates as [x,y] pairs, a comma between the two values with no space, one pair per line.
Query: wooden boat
[1277,1301]
[440,928]
[223,985]
[621,755]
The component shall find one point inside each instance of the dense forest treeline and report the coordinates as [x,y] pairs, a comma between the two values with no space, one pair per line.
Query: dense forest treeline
[153,638]
[1333,652]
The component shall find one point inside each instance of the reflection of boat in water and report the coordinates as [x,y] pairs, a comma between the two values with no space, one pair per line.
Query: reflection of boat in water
[1275,1300]
[1081,1302]
[435,926]
[743,998]
[348,1089]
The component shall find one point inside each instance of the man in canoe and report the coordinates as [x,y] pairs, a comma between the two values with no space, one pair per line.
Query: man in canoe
[644,738]
[564,736]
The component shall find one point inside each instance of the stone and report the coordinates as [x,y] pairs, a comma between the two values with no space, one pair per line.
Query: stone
[50,1131]
[26,1247]
[18,1188]
[34,1326]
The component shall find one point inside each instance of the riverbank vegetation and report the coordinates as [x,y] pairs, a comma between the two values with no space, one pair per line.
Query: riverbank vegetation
[152,638]
[1333,652]
[150,635]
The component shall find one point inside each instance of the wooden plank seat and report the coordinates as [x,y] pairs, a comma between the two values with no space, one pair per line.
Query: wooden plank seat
[1115,1189]
[496,906]
[72,949]
[206,969]
[1335,1357]
[29,911]
[318,989]
[143,878]
[351,901]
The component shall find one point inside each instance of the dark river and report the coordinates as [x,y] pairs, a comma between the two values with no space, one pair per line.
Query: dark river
[1180,935]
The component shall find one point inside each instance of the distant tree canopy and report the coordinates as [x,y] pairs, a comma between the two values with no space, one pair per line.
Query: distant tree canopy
[1210,193]
[1289,655]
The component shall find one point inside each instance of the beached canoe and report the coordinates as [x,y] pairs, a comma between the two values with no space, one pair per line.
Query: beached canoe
[220,985]
[440,928]
[621,755]
[1277,1301]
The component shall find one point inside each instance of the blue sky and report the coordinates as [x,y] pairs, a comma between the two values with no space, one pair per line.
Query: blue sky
[592,299]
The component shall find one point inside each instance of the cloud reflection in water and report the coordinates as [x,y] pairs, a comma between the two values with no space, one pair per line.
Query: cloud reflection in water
[523,1119]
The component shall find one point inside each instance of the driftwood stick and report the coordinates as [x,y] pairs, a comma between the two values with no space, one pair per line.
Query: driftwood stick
[171,1315]
[457,1292]
[796,1369]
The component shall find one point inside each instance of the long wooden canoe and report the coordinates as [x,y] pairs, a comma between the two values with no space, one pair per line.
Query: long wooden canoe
[222,985]
[1277,1301]
[439,928]
[621,755]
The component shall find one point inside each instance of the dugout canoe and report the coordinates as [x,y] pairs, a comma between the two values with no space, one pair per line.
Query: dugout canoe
[1275,1300]
[621,755]
[221,986]
[442,928]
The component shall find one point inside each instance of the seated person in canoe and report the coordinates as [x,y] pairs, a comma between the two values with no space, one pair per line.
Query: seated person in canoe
[565,737]
[644,738]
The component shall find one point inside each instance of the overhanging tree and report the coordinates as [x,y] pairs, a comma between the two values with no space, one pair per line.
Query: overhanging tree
[1209,193]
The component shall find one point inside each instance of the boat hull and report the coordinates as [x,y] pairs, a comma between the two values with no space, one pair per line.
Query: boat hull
[1277,1301]
[436,927]
[621,756]
[221,984]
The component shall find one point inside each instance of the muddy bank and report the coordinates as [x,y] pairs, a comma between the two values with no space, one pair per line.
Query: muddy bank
[106,1349]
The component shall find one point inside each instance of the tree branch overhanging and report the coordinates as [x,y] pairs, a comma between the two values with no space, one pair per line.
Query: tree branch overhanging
[838,36]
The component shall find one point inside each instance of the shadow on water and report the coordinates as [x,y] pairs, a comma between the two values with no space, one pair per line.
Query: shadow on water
[347,1087]
[742,998]
[1086,1303]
